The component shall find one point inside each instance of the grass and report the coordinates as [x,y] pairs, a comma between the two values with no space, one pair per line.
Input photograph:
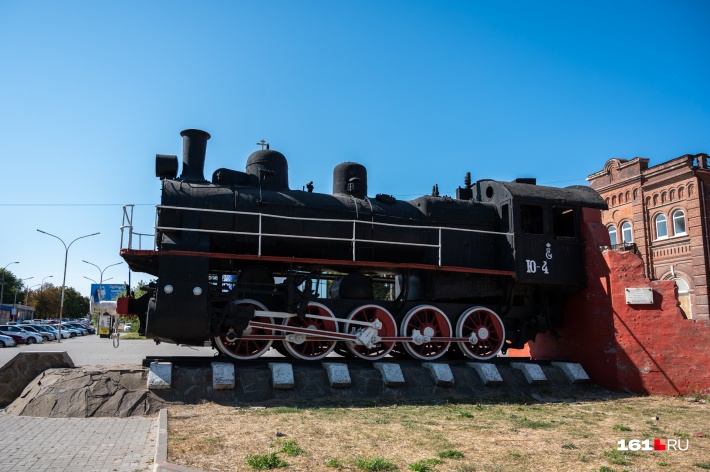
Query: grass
[129,336]
[450,454]
[376,464]
[621,427]
[425,465]
[525,422]
[617,457]
[265,461]
[290,448]
[436,437]
[334,463]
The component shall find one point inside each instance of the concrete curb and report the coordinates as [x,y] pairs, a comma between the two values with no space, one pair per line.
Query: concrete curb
[160,463]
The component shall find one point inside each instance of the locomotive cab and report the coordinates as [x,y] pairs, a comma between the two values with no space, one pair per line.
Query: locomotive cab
[546,228]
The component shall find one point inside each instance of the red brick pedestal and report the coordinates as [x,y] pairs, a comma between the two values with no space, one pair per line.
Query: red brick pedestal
[638,348]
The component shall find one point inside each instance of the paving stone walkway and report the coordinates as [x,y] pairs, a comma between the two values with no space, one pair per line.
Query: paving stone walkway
[77,444]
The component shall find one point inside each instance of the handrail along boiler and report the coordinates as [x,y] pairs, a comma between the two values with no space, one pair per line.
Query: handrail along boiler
[246,262]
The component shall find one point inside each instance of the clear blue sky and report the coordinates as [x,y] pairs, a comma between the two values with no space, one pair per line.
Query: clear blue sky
[420,92]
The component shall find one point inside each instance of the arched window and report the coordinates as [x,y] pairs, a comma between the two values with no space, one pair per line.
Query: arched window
[626,233]
[678,222]
[661,227]
[612,235]
[684,297]
[613,200]
[627,196]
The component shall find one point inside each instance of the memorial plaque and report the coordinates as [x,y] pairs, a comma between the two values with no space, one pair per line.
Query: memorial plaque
[639,296]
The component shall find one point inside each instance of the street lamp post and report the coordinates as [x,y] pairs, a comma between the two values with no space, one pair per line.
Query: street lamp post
[27,294]
[89,278]
[42,285]
[14,303]
[2,290]
[101,279]
[64,280]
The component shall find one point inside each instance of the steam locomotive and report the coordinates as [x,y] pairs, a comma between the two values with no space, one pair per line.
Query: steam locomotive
[249,264]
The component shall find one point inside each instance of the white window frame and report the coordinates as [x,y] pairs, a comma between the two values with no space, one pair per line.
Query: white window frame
[613,238]
[661,219]
[626,226]
[676,214]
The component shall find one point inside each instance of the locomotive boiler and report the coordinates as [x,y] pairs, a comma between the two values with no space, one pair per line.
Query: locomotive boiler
[248,264]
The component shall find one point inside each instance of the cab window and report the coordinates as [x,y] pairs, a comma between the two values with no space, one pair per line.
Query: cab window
[563,222]
[531,219]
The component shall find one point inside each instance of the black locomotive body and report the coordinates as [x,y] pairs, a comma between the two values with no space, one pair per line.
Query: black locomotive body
[246,262]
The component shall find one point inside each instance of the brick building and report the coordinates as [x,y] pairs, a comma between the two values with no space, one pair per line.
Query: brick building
[662,212]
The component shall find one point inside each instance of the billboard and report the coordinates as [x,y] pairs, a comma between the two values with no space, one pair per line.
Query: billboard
[107,292]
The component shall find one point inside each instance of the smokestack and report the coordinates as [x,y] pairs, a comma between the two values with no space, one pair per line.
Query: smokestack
[194,145]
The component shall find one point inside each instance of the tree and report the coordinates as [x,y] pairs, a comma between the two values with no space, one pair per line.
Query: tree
[12,285]
[138,291]
[48,301]
[75,305]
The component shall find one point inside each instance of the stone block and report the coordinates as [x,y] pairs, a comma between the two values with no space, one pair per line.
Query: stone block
[440,373]
[160,376]
[488,373]
[338,374]
[533,372]
[222,375]
[574,372]
[282,375]
[392,375]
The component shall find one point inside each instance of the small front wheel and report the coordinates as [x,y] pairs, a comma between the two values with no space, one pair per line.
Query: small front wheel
[30,341]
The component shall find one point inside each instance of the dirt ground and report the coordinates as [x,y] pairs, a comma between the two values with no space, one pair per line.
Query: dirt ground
[460,437]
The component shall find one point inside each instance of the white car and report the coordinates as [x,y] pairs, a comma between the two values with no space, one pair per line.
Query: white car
[7,341]
[78,329]
[53,329]
[73,332]
[28,338]
[37,330]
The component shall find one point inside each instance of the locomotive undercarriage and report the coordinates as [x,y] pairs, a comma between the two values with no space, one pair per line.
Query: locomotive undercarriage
[254,314]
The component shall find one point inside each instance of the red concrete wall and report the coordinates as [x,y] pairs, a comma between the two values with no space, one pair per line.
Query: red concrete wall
[638,348]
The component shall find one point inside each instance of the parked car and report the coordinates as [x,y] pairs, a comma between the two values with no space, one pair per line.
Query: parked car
[73,332]
[7,341]
[34,329]
[27,337]
[127,327]
[53,329]
[84,324]
[46,329]
[15,337]
[78,327]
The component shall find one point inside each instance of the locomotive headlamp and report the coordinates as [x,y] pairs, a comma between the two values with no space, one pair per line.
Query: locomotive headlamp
[197,291]
[168,289]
